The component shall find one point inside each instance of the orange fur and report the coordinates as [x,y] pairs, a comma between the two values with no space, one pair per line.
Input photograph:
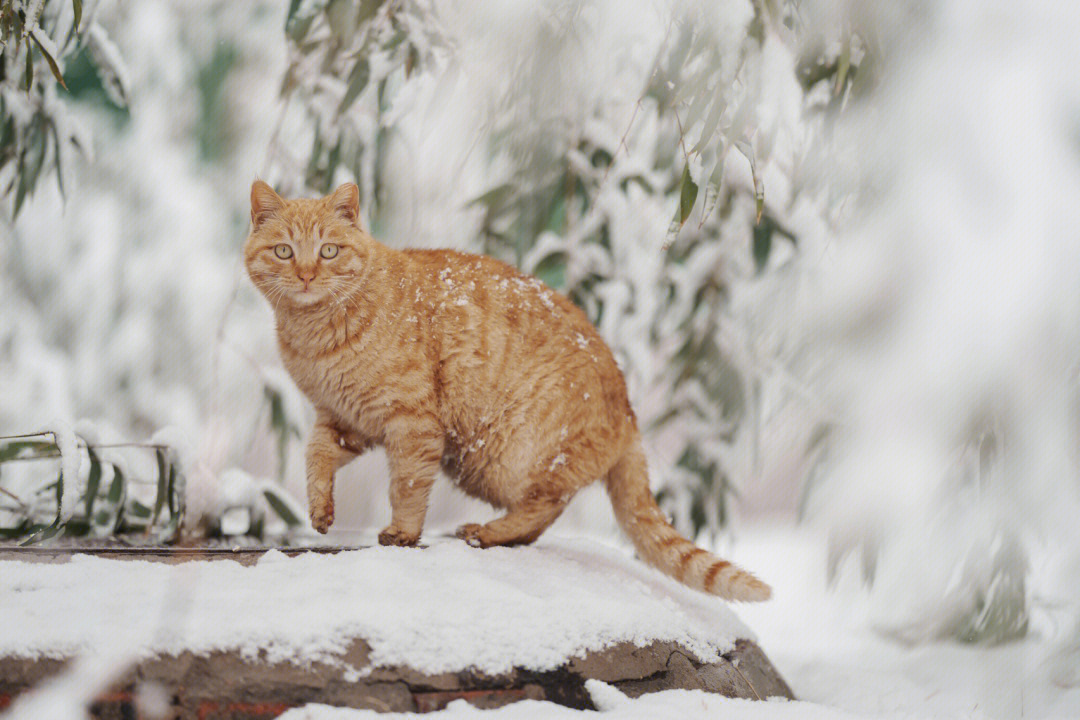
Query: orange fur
[461,363]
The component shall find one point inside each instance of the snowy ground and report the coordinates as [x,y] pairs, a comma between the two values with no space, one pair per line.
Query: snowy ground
[444,608]
[821,641]
[574,596]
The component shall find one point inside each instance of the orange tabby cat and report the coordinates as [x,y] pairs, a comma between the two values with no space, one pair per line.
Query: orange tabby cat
[461,363]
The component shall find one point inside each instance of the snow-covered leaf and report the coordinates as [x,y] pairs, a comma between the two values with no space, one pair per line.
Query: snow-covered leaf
[110,65]
[355,84]
[688,190]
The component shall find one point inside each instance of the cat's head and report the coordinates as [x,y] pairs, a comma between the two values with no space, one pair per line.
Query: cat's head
[305,251]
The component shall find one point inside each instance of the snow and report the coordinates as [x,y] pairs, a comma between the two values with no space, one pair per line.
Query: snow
[67,696]
[70,464]
[948,322]
[826,642]
[684,704]
[177,441]
[111,61]
[444,608]
[822,641]
[821,638]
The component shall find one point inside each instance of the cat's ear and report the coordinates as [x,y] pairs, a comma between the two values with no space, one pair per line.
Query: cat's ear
[346,203]
[264,203]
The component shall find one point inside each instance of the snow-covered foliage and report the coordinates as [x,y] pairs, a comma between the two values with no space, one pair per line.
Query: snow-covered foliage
[37,133]
[80,481]
[124,304]
[949,321]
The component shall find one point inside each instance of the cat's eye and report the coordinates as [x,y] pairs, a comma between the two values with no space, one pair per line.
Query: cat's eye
[328,251]
[283,251]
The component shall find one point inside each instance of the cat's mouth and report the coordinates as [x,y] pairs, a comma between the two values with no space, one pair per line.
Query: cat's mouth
[308,295]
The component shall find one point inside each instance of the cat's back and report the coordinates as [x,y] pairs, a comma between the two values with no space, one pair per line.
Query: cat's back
[476,295]
[505,339]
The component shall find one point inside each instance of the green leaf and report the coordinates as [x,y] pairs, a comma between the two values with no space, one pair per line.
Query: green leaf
[712,188]
[171,490]
[19,530]
[712,121]
[162,484]
[138,510]
[687,195]
[294,5]
[76,6]
[298,29]
[355,84]
[76,527]
[701,102]
[44,533]
[296,25]
[53,65]
[556,220]
[312,172]
[332,162]
[93,481]
[843,65]
[759,188]
[412,57]
[494,199]
[55,528]
[60,494]
[763,234]
[169,533]
[116,497]
[7,133]
[367,10]
[281,508]
[552,270]
[59,168]
[116,487]
[19,448]
[31,162]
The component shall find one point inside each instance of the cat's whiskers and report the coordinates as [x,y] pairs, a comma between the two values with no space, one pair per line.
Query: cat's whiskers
[337,299]
[350,289]
[347,293]
[275,291]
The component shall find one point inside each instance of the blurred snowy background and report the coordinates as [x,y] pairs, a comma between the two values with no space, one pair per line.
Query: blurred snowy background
[833,245]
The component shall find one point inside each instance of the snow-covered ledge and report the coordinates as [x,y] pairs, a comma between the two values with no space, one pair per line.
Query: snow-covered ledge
[385,628]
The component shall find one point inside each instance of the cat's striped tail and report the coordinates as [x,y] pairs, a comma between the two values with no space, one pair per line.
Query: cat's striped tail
[661,545]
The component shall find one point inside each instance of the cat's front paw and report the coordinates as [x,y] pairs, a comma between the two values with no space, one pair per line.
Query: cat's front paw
[397,536]
[322,516]
[472,534]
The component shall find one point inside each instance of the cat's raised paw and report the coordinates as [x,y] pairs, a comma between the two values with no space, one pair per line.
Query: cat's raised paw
[322,518]
[471,533]
[396,536]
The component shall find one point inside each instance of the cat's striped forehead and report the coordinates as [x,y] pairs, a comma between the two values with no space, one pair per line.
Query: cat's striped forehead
[311,220]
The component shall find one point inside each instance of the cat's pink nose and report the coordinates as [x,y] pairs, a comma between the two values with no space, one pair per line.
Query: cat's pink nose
[306,274]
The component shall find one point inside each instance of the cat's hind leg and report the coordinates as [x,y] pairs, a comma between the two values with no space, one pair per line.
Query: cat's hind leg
[523,522]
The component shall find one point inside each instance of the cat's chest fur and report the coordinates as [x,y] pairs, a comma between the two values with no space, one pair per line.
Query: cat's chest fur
[339,369]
